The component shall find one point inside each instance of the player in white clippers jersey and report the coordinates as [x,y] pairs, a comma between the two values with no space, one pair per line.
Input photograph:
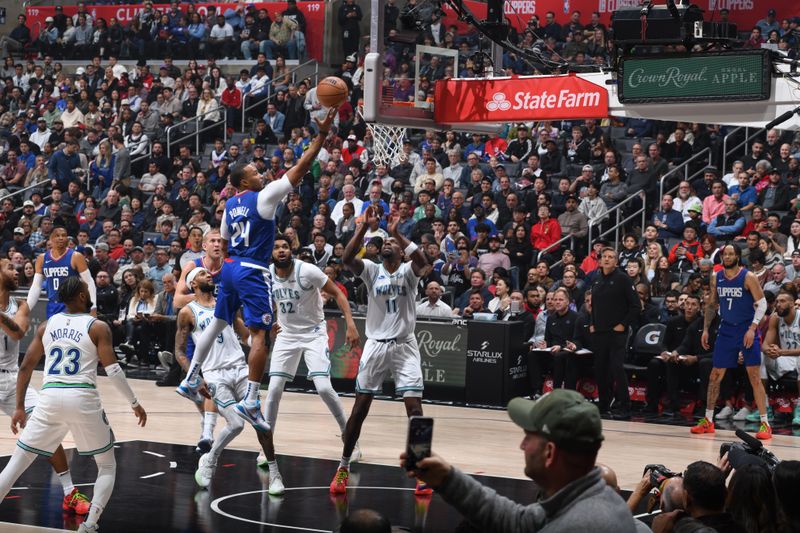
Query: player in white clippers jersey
[72,342]
[296,287]
[782,345]
[224,372]
[14,322]
[391,345]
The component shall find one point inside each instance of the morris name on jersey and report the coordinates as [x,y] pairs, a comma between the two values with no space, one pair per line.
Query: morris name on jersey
[66,333]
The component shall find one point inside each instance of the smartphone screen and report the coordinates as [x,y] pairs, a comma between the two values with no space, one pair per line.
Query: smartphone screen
[420,435]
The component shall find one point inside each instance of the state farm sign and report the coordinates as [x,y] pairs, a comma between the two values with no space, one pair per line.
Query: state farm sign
[518,99]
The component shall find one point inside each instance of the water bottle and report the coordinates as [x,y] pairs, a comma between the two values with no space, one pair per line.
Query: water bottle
[566,6]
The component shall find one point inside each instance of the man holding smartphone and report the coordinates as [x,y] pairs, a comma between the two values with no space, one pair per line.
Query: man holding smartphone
[563,434]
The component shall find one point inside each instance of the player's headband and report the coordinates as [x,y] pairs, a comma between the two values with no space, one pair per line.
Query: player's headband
[191,275]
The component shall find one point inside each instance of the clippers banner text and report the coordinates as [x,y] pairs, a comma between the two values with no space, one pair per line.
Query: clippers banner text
[314,12]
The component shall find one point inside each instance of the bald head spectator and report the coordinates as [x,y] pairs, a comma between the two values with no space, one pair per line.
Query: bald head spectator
[433,306]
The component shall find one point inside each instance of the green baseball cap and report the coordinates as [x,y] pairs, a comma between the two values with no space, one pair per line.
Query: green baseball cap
[563,416]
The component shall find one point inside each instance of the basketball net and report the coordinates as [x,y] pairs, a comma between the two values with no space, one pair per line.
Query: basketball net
[387,142]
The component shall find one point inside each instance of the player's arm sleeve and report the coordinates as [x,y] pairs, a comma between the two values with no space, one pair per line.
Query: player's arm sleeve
[36,289]
[761,310]
[224,232]
[117,377]
[87,277]
[271,195]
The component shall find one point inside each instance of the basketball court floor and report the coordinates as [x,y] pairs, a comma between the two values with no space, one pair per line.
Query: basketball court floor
[155,489]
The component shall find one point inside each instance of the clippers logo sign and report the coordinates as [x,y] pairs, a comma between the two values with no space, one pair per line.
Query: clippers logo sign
[519,99]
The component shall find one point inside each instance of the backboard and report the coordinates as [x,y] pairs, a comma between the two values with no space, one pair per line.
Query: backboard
[402,66]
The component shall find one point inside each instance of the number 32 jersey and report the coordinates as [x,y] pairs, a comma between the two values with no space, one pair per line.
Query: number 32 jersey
[70,355]
[298,301]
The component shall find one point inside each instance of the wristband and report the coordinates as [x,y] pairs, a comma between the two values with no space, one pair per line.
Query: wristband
[135,403]
[410,249]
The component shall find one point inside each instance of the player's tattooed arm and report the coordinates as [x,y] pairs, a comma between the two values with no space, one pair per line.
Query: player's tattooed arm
[711,305]
[10,327]
[185,326]
[32,357]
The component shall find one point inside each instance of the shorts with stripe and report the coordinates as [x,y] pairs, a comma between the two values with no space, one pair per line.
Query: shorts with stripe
[401,358]
[8,394]
[289,347]
[247,285]
[63,408]
[227,385]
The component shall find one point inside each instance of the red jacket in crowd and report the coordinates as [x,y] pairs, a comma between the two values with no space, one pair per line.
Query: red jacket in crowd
[693,251]
[544,233]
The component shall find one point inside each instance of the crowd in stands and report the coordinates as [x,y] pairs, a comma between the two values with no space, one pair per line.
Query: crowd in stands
[240,31]
[504,219]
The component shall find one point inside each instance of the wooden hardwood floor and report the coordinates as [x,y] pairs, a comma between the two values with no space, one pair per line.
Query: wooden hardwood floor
[476,440]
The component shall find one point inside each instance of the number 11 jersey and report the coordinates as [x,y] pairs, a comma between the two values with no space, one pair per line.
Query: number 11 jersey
[70,355]
[391,301]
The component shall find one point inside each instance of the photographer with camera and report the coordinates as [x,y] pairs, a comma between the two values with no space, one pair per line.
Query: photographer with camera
[704,494]
[668,485]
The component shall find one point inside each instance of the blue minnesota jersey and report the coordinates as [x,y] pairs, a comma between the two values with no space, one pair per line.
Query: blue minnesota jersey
[56,271]
[251,236]
[736,304]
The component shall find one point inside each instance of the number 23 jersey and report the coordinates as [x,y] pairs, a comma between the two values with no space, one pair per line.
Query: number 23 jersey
[298,301]
[70,354]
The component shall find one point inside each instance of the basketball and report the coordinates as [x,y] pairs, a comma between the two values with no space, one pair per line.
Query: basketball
[332,91]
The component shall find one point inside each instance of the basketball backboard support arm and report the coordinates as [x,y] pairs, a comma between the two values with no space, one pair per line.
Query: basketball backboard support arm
[380,109]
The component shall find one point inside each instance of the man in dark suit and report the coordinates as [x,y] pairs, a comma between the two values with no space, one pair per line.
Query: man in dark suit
[164,317]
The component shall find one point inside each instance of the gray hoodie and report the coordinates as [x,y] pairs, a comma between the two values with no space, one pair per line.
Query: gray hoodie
[586,504]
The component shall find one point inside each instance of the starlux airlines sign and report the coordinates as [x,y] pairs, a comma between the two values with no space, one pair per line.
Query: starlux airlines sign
[519,99]
[742,75]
